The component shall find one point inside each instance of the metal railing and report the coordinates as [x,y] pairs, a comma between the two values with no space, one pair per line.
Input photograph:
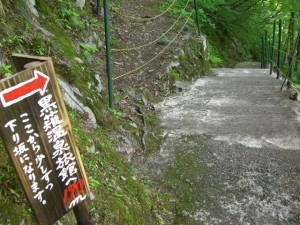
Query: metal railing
[279,57]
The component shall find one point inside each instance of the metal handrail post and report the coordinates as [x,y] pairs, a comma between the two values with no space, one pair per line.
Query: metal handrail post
[292,45]
[279,48]
[197,16]
[108,53]
[262,53]
[272,47]
[266,49]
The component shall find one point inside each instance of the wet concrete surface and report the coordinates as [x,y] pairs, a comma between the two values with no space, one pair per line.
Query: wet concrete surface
[231,152]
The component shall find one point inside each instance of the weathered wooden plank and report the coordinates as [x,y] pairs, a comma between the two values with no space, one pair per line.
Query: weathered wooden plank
[36,130]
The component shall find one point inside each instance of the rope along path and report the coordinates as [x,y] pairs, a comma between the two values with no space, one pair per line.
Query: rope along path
[164,49]
[154,41]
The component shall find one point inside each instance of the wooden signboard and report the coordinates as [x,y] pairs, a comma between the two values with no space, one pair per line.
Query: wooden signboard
[36,131]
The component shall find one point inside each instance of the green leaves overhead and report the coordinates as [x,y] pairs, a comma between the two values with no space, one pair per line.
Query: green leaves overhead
[245,20]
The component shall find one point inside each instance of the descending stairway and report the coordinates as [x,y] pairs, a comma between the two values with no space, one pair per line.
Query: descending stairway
[232,150]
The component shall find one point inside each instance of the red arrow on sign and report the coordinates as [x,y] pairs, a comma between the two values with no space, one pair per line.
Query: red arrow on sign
[25,89]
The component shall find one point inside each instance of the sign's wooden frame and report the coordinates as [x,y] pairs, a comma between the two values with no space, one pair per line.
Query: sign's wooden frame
[37,133]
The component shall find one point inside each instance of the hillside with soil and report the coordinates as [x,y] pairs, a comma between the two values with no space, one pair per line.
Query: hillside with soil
[155,51]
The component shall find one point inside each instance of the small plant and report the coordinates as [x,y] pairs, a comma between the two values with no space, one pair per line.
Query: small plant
[41,49]
[115,112]
[163,40]
[5,70]
[12,41]
[94,183]
[88,49]
[94,23]
[215,60]
[69,17]
[173,75]
[140,102]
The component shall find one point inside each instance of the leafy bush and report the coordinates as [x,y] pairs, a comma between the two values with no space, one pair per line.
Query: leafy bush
[88,49]
[173,75]
[70,18]
[5,70]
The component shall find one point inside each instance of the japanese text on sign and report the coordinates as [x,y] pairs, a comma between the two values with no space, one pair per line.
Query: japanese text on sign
[23,149]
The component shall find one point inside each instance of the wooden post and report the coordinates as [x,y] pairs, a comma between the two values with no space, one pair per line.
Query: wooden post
[82,214]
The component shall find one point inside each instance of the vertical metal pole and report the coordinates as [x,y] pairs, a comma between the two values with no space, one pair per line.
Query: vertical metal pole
[272,47]
[269,51]
[292,46]
[266,48]
[108,53]
[197,16]
[98,7]
[279,49]
[262,53]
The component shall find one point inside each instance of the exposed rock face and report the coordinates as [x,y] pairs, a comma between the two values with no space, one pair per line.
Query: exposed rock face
[99,85]
[172,65]
[80,3]
[69,95]
[182,86]
[202,39]
[31,7]
[126,145]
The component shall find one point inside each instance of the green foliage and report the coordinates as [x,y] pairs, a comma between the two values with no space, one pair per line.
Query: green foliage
[12,43]
[179,8]
[204,19]
[88,49]
[96,24]
[295,76]
[173,75]
[213,58]
[93,183]
[40,46]
[14,207]
[115,112]
[5,70]
[163,40]
[241,22]
[70,18]
[119,197]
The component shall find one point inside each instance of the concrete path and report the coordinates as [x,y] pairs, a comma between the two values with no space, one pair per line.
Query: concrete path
[232,150]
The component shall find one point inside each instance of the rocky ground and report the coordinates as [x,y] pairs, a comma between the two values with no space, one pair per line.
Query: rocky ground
[141,58]
[133,27]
